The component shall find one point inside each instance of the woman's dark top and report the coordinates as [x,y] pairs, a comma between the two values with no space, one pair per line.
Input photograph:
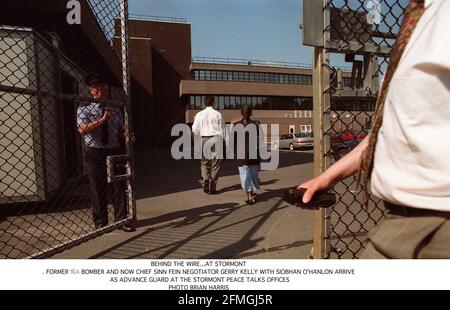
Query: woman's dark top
[248,144]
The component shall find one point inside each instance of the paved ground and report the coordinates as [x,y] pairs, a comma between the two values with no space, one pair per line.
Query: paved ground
[177,220]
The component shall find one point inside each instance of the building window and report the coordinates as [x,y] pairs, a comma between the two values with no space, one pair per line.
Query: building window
[221,102]
[256,77]
[232,102]
[305,128]
[238,102]
[251,76]
[207,75]
[213,75]
[202,102]
[219,76]
[266,103]
[263,103]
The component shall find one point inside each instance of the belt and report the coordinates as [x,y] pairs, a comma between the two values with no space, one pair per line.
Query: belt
[412,212]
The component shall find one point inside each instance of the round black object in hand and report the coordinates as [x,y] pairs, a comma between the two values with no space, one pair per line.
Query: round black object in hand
[294,196]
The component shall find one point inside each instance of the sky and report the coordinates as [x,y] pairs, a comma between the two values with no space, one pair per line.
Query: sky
[251,29]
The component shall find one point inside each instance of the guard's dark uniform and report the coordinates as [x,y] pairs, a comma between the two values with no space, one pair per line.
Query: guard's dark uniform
[98,145]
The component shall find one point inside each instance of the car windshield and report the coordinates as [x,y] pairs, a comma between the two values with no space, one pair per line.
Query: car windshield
[303,135]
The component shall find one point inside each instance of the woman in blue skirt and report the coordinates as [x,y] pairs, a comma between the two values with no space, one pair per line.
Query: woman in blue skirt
[246,148]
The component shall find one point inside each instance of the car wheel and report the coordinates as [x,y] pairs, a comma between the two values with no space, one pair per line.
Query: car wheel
[341,153]
[291,147]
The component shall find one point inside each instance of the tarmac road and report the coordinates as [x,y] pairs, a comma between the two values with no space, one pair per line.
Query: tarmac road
[176,220]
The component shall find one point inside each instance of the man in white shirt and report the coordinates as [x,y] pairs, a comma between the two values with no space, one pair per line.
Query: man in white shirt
[210,126]
[410,152]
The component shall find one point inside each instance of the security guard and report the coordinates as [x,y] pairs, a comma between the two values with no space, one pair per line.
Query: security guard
[101,128]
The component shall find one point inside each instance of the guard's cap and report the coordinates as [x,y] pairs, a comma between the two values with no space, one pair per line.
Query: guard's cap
[94,78]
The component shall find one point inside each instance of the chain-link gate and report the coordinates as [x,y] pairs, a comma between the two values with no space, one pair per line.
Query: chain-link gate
[65,139]
[362,32]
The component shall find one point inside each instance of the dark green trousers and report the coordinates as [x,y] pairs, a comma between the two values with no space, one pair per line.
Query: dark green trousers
[406,237]
[210,163]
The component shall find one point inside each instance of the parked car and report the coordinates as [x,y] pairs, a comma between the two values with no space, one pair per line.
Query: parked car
[340,149]
[344,142]
[348,135]
[295,141]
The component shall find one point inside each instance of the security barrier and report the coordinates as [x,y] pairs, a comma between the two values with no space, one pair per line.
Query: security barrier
[65,164]
[361,33]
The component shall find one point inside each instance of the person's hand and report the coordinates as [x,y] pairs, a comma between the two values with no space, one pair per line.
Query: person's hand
[107,115]
[345,167]
[318,184]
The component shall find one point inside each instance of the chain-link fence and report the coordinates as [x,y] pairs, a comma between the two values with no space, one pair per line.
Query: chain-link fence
[362,33]
[65,151]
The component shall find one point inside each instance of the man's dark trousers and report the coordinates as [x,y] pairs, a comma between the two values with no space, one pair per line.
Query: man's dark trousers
[95,167]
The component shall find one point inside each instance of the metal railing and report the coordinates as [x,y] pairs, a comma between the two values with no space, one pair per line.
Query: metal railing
[167,19]
[249,62]
[253,62]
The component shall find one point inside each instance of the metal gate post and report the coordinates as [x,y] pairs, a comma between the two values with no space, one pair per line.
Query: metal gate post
[320,120]
[346,28]
[131,202]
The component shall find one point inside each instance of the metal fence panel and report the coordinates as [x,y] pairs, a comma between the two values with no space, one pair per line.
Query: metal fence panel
[364,33]
[52,171]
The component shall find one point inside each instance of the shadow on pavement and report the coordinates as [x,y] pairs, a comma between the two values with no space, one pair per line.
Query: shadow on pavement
[190,216]
[278,248]
[238,186]
[214,231]
[163,249]
[156,173]
[246,242]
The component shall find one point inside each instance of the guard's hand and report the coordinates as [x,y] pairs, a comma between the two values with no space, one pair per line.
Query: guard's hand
[108,114]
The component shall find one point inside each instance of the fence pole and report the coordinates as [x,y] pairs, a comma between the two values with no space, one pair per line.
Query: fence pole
[131,202]
[320,79]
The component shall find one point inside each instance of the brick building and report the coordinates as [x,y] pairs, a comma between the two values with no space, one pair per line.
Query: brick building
[168,85]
